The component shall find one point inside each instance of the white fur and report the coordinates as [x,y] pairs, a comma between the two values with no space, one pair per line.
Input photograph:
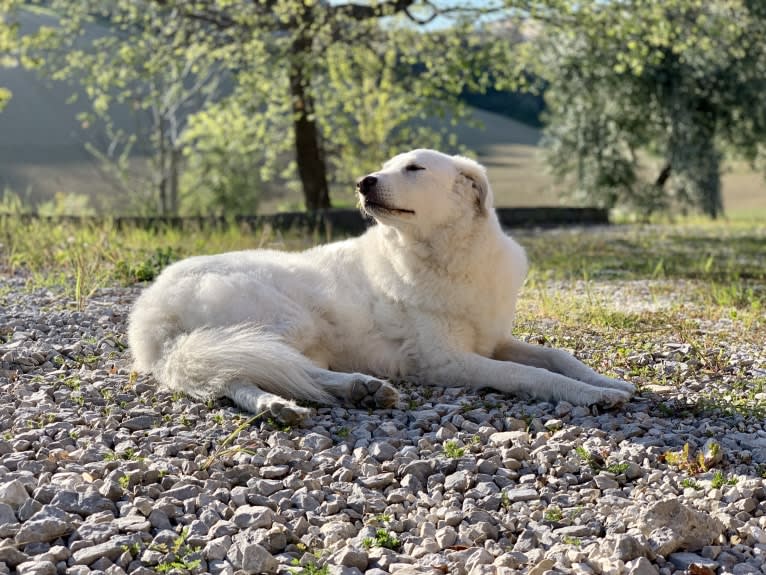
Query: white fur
[428,294]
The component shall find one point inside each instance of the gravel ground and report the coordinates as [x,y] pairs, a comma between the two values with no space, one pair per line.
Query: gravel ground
[100,473]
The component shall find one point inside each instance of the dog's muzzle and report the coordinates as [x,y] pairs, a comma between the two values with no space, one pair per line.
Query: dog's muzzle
[366,185]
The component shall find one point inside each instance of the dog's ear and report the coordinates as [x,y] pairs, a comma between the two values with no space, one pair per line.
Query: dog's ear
[473,176]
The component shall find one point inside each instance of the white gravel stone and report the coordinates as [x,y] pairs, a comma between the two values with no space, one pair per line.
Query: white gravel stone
[13,493]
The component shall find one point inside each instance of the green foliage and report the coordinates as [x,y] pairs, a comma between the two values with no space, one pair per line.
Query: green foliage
[8,42]
[689,483]
[720,479]
[617,468]
[185,557]
[232,98]
[148,269]
[64,204]
[453,450]
[383,538]
[645,99]
[553,514]
[135,58]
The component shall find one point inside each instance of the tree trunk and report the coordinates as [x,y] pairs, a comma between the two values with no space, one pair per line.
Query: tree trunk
[308,153]
[175,170]
[663,176]
[162,169]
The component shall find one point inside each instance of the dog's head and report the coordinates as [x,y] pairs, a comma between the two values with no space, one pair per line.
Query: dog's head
[425,189]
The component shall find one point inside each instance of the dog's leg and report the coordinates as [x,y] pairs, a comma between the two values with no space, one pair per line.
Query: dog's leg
[252,398]
[556,360]
[473,370]
[356,388]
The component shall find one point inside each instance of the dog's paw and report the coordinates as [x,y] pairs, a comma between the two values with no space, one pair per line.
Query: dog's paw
[611,397]
[609,383]
[288,413]
[371,392]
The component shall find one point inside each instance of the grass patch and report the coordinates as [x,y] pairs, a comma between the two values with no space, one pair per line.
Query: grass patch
[710,251]
[84,257]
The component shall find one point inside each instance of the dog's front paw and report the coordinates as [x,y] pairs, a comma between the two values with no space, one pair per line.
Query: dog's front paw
[370,392]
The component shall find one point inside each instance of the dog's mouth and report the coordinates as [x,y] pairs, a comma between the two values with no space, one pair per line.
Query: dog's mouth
[376,207]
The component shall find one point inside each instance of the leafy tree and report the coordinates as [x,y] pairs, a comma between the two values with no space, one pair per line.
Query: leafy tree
[317,57]
[326,84]
[8,43]
[683,81]
[136,60]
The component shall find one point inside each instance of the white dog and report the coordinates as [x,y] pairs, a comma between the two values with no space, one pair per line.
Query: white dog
[428,295]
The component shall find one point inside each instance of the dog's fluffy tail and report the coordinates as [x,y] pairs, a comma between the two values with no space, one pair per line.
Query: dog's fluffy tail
[215,362]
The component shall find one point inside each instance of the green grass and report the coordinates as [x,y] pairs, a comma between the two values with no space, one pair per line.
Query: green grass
[84,258]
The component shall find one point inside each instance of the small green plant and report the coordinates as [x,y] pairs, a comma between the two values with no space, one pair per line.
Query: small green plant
[569,540]
[553,514]
[343,432]
[686,460]
[226,448]
[134,549]
[383,538]
[453,450]
[617,468]
[72,383]
[218,418]
[689,483]
[720,479]
[182,553]
[278,425]
[309,569]
[124,481]
[594,460]
[131,454]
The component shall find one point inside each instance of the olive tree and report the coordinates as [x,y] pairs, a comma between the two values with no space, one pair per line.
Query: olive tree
[645,98]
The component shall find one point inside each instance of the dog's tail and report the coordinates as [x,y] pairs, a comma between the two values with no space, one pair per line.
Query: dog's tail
[213,362]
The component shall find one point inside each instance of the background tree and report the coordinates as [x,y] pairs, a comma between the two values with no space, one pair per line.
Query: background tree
[317,52]
[668,87]
[8,43]
[292,107]
[133,61]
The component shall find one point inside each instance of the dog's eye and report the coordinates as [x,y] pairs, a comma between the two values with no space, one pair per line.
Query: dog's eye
[414,168]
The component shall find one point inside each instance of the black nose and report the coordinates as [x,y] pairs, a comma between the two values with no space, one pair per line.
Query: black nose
[366,184]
